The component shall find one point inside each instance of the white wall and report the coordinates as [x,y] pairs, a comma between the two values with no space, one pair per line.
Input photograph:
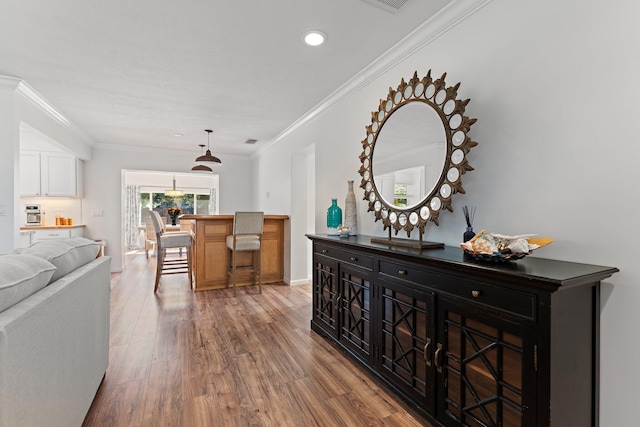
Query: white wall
[103,188]
[554,88]
[302,209]
[9,166]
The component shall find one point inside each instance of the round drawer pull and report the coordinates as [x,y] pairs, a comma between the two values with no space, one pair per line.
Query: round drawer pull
[324,251]
[402,272]
[475,294]
[353,258]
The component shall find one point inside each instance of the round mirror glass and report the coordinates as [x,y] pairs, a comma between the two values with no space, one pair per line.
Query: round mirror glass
[413,218]
[445,190]
[431,89]
[453,174]
[409,155]
[458,138]
[449,106]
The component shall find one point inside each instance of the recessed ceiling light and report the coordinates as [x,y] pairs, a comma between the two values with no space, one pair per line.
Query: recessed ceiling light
[178,135]
[314,38]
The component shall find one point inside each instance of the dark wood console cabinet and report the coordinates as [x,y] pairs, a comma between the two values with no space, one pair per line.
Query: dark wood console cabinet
[465,343]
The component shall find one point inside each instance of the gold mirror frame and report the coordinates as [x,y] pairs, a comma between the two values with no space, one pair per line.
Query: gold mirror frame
[435,94]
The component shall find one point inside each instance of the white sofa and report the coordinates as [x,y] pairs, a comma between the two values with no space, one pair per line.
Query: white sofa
[54,332]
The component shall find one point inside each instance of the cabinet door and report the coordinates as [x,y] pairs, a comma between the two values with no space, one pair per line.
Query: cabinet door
[325,295]
[272,261]
[354,310]
[486,368]
[29,174]
[24,241]
[76,232]
[58,174]
[407,338]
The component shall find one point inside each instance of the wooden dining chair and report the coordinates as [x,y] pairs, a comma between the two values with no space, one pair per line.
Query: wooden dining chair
[167,264]
[149,236]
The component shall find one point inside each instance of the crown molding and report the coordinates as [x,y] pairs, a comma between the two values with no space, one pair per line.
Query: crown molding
[24,89]
[445,19]
[39,101]
[9,82]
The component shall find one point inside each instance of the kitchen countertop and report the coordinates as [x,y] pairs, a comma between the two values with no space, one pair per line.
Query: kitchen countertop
[50,227]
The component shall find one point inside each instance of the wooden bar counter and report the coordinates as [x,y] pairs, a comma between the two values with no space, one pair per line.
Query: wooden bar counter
[211,257]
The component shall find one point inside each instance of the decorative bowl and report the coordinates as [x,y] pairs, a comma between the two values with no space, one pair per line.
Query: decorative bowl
[495,247]
[496,257]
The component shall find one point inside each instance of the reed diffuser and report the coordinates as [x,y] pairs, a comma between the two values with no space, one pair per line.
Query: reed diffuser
[469,213]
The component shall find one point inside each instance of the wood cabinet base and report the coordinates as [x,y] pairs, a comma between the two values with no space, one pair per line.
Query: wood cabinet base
[211,257]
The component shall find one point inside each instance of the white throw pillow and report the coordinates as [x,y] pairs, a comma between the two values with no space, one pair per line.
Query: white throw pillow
[21,276]
[66,254]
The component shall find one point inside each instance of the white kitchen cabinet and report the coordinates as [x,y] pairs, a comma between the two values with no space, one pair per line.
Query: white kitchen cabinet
[57,233]
[29,173]
[58,174]
[25,239]
[48,174]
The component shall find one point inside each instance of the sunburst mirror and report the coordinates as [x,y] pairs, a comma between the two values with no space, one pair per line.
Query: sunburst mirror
[414,156]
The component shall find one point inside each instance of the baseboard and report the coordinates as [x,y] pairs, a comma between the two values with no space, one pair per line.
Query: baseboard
[299,282]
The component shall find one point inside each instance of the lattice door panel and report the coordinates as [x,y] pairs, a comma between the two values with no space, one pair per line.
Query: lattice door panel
[355,314]
[325,288]
[407,333]
[483,373]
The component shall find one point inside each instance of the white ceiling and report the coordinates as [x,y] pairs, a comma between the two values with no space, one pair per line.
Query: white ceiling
[137,72]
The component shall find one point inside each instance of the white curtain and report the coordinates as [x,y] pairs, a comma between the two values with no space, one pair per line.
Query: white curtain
[213,201]
[131,217]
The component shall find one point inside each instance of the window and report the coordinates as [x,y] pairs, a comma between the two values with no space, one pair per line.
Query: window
[189,203]
[201,194]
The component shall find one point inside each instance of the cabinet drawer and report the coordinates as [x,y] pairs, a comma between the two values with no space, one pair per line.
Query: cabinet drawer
[510,301]
[521,304]
[342,255]
[51,234]
[405,272]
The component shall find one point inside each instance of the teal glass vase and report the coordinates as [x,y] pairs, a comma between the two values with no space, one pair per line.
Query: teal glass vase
[334,218]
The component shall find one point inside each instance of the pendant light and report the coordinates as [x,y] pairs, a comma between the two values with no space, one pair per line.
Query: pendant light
[208,160]
[201,168]
[173,192]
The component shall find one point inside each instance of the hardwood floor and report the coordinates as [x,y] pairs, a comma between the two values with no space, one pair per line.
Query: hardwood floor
[181,358]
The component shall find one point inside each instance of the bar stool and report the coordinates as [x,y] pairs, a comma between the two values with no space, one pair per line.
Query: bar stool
[164,241]
[247,235]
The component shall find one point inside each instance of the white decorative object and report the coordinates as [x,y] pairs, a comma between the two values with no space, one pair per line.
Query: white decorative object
[351,210]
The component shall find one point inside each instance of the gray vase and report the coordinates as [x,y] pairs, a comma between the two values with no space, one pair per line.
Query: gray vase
[351,210]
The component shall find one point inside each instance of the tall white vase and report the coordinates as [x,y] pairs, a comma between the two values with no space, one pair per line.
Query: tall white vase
[351,210]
